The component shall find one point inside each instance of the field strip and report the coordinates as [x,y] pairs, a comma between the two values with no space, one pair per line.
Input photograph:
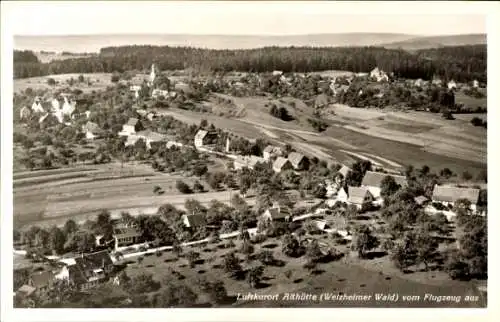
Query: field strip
[389,162]
[362,157]
[43,173]
[389,135]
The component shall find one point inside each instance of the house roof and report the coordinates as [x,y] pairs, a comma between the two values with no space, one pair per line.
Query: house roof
[420,199]
[196,220]
[272,149]
[280,163]
[132,121]
[25,290]
[89,262]
[279,212]
[249,161]
[344,170]
[126,232]
[152,136]
[357,195]
[295,158]
[452,194]
[91,127]
[374,179]
[201,134]
[41,279]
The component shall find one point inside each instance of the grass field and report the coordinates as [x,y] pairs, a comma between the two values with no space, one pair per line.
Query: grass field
[470,102]
[98,81]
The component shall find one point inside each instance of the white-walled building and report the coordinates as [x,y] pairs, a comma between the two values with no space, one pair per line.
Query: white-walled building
[373,182]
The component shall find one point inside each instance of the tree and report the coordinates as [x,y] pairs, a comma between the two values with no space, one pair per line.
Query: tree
[142,283]
[466,176]
[457,267]
[176,295]
[81,79]
[290,246]
[215,179]
[388,187]
[266,257]
[404,253]
[446,173]
[192,257]
[115,78]
[198,187]
[319,191]
[246,248]
[313,252]
[232,264]
[104,225]
[216,290]
[57,239]
[426,247]
[176,248]
[183,187]
[254,275]
[200,169]
[51,82]
[364,241]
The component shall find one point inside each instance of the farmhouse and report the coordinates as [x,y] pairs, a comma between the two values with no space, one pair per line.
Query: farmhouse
[421,200]
[135,89]
[194,221]
[358,196]
[247,162]
[271,151]
[437,81]
[277,73]
[88,270]
[125,236]
[68,108]
[150,138]
[298,161]
[159,92]
[92,130]
[475,83]
[276,213]
[449,195]
[344,171]
[452,85]
[419,82]
[282,164]
[41,281]
[37,106]
[373,182]
[132,126]
[379,75]
[182,87]
[204,137]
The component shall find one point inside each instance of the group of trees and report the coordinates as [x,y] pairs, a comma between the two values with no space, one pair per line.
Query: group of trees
[462,63]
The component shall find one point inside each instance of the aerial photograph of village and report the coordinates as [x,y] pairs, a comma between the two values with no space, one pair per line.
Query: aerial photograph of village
[323,170]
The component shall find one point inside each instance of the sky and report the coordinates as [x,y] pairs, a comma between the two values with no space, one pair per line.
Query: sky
[244,18]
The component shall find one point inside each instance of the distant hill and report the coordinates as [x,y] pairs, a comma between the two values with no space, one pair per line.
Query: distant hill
[438,42]
[93,43]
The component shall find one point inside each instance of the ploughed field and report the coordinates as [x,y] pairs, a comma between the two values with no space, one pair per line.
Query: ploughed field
[388,139]
[50,197]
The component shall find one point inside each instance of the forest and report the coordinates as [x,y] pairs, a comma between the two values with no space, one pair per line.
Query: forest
[461,63]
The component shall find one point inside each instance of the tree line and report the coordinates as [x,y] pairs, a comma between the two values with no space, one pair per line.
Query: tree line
[462,63]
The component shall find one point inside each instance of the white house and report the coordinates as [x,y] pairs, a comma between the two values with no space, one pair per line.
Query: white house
[277,73]
[247,162]
[204,137]
[37,106]
[373,182]
[135,89]
[475,84]
[271,151]
[379,75]
[358,196]
[448,195]
[131,127]
[419,82]
[159,92]
[452,85]
[92,130]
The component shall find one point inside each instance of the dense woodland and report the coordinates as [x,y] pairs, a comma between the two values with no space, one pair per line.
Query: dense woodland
[462,63]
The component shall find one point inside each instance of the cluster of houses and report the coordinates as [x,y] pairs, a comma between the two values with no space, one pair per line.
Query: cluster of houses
[62,112]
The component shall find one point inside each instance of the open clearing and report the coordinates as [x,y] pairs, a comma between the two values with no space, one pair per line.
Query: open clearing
[98,81]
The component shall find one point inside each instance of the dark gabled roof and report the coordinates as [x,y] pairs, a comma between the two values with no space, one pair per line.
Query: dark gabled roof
[89,262]
[374,179]
[125,232]
[41,279]
[452,194]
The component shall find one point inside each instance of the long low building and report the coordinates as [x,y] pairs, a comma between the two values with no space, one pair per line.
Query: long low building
[448,195]
[247,162]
